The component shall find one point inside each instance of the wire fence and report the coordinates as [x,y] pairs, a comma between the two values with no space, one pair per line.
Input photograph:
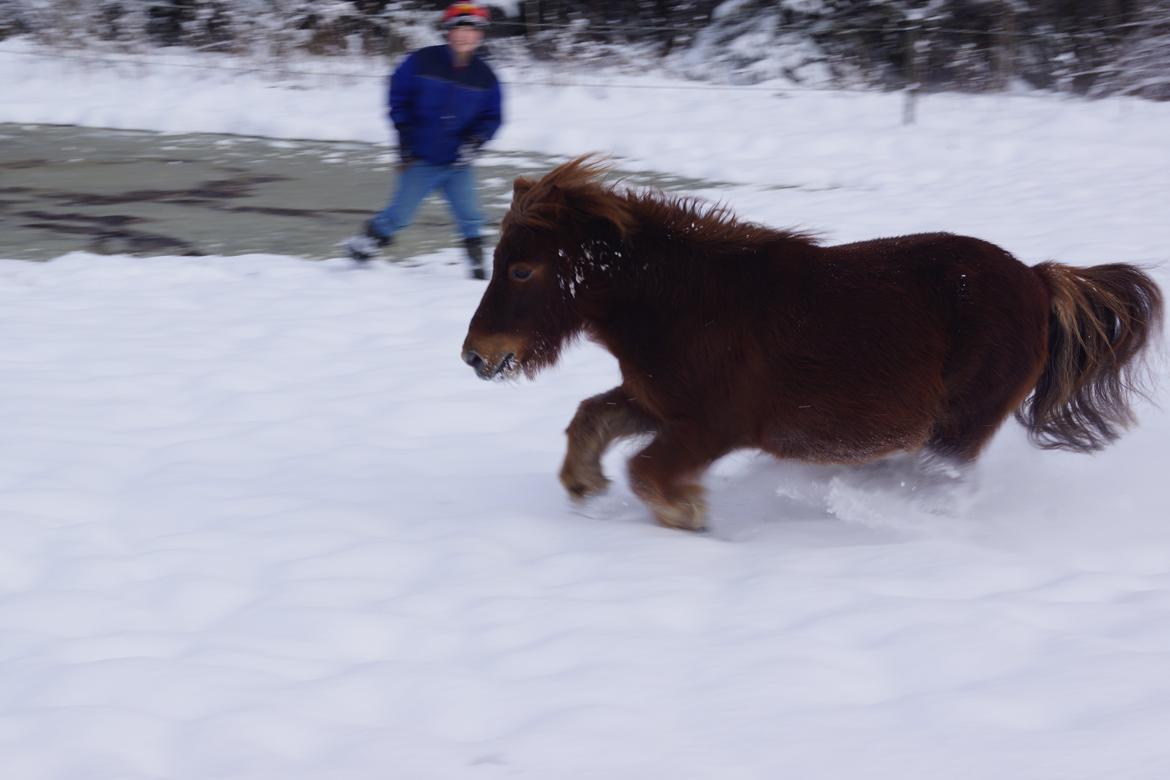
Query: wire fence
[284,72]
[803,29]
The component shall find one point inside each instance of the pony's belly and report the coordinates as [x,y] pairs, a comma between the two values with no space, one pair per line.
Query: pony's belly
[845,448]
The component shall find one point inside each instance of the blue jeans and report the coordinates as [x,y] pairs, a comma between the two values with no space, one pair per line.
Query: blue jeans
[418,181]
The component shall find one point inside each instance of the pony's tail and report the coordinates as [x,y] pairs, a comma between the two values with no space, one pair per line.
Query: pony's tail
[1101,321]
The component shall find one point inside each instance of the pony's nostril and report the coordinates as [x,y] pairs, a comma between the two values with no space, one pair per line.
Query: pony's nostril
[473,359]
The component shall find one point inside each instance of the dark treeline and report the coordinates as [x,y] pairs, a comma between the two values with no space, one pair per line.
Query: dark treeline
[1093,47]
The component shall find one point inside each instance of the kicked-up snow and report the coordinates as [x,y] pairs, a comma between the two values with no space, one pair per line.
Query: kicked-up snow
[260,521]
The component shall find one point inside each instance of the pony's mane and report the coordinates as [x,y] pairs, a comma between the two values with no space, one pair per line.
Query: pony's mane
[575,191]
[571,191]
[708,223]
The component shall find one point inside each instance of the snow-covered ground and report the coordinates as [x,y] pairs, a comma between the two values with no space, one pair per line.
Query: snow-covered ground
[261,522]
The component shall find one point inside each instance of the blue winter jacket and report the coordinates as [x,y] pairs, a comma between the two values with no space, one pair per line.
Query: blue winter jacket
[436,107]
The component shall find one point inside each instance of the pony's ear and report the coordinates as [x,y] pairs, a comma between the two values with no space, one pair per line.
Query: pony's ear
[596,206]
[520,186]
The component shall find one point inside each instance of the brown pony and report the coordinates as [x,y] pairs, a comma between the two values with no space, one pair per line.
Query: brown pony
[732,335]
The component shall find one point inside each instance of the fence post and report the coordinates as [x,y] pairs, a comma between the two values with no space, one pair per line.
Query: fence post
[910,102]
[1005,54]
[531,19]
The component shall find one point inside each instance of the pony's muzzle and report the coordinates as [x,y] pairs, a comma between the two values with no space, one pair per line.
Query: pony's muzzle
[487,369]
[493,356]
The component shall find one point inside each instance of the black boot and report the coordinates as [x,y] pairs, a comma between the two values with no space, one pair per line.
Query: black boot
[367,246]
[374,234]
[475,257]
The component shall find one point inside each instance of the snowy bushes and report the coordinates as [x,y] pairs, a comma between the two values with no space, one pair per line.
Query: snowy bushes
[1082,46]
[1091,47]
[256,26]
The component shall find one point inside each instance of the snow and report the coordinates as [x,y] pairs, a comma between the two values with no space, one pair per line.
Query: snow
[260,521]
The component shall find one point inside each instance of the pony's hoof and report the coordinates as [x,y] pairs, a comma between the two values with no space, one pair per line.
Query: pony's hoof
[686,515]
[581,486]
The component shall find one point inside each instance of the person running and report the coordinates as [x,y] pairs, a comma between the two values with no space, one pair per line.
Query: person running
[444,103]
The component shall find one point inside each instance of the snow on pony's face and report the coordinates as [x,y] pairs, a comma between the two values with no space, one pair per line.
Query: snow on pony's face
[525,315]
[552,249]
[528,311]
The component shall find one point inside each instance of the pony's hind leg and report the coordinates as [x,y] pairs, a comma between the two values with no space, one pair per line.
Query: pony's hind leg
[995,360]
[974,414]
[666,476]
[598,422]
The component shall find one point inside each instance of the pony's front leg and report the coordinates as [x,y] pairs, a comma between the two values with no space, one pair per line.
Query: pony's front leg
[598,422]
[666,476]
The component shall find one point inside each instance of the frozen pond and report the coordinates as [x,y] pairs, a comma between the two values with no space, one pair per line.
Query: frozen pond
[65,188]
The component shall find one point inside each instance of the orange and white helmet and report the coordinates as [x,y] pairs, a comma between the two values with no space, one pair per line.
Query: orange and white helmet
[465,13]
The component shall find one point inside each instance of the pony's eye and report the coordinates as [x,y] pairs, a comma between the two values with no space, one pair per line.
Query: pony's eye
[521,273]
